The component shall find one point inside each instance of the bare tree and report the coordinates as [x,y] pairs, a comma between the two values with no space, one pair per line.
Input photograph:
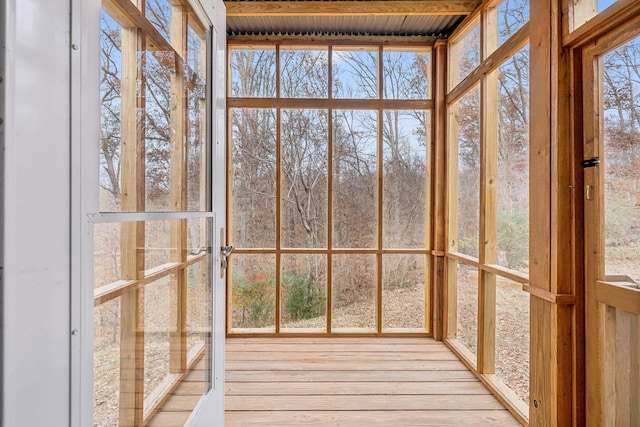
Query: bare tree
[110,97]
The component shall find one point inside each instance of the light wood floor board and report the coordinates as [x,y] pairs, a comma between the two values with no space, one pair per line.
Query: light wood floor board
[347,388]
[361,402]
[341,355]
[370,419]
[332,346]
[342,382]
[341,376]
[350,365]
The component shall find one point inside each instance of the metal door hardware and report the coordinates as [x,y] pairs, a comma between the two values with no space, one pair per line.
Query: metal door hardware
[590,163]
[226,250]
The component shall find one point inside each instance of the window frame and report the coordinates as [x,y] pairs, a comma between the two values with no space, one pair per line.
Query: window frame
[331,104]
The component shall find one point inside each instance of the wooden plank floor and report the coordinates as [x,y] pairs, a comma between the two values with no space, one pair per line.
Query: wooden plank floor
[343,382]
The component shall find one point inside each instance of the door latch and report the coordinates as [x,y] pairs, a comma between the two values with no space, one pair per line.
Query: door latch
[225,251]
[590,163]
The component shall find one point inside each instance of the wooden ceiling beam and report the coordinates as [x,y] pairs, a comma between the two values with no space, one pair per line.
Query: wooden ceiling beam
[351,8]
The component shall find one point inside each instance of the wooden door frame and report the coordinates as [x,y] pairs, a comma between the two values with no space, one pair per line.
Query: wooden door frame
[559,31]
[591,144]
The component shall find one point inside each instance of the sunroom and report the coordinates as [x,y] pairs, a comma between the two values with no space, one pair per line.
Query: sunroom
[328,212]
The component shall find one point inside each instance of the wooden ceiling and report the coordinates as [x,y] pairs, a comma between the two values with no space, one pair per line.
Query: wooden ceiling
[347,17]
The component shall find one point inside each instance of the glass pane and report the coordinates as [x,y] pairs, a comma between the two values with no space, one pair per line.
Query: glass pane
[161,112]
[404,300]
[355,179]
[198,277]
[467,302]
[466,131]
[512,336]
[198,308]
[159,14]
[253,292]
[354,292]
[106,362]
[464,56]
[143,326]
[159,176]
[305,73]
[106,258]
[110,112]
[512,15]
[254,178]
[197,148]
[304,292]
[513,163]
[405,178]
[158,243]
[253,72]
[355,73]
[304,178]
[160,307]
[198,236]
[622,160]
[158,249]
[407,74]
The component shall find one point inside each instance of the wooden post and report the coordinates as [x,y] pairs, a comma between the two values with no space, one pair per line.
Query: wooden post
[450,286]
[427,323]
[132,234]
[178,196]
[488,198]
[329,257]
[552,313]
[229,209]
[205,149]
[381,183]
[438,182]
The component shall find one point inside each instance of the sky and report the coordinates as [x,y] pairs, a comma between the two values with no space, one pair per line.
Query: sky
[603,4]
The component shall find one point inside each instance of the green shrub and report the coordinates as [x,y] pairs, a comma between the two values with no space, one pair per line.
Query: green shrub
[513,237]
[255,297]
[302,299]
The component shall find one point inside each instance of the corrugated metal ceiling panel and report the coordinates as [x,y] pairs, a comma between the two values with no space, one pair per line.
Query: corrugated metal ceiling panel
[435,25]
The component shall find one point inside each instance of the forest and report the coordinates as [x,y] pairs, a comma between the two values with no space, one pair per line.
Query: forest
[326,193]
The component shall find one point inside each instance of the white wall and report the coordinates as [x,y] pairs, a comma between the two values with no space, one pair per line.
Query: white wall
[36,228]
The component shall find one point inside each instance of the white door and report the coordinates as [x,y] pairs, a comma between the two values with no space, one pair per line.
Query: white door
[210,411]
[154,199]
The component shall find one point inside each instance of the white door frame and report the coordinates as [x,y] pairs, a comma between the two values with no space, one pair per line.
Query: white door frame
[210,410]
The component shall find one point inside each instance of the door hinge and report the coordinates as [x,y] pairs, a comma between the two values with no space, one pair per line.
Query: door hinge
[590,163]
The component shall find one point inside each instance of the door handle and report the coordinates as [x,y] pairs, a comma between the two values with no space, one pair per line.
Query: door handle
[225,251]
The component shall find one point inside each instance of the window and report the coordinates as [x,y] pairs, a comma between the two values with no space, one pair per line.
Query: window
[464,53]
[330,189]
[512,16]
[488,193]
